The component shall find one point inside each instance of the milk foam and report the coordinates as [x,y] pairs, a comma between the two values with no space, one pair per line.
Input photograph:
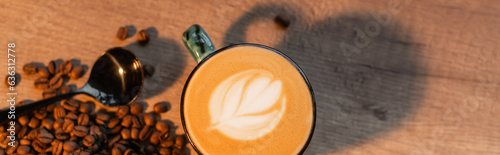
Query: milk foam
[247,105]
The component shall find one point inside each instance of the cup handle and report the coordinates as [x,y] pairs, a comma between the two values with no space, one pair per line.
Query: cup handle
[197,42]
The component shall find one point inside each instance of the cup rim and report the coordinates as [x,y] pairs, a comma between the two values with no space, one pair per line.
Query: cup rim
[311,133]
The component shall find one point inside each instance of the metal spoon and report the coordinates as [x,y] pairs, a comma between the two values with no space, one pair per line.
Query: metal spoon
[116,79]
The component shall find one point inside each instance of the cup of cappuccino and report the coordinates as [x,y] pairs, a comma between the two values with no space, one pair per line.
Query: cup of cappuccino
[245,99]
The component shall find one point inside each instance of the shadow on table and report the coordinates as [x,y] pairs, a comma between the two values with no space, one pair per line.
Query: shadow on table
[361,92]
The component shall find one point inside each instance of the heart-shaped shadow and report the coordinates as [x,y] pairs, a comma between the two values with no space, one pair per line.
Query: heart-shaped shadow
[365,77]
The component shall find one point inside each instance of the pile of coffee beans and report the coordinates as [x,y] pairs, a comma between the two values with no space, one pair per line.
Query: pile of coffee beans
[74,126]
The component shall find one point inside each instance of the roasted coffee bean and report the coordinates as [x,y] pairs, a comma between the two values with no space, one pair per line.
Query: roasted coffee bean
[25,142]
[34,122]
[71,116]
[89,140]
[43,72]
[116,129]
[30,68]
[68,125]
[24,149]
[12,80]
[168,142]
[31,135]
[85,107]
[122,33]
[282,21]
[178,151]
[44,136]
[136,108]
[160,107]
[59,112]
[143,37]
[149,70]
[162,126]
[57,147]
[94,129]
[23,132]
[39,147]
[127,121]
[65,89]
[165,151]
[155,137]
[114,140]
[23,120]
[122,111]
[70,146]
[74,138]
[58,123]
[61,135]
[50,107]
[129,152]
[71,104]
[134,133]
[113,122]
[80,131]
[66,67]
[48,93]
[102,118]
[125,133]
[42,83]
[136,123]
[48,123]
[77,72]
[145,133]
[40,113]
[83,119]
[116,151]
[53,67]
[149,149]
[56,82]
[180,141]
[150,119]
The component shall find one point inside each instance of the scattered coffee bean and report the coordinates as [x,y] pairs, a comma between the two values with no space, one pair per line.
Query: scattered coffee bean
[30,69]
[149,70]
[80,131]
[34,122]
[143,37]
[58,123]
[76,72]
[48,123]
[129,152]
[40,113]
[71,116]
[43,72]
[136,108]
[24,149]
[12,80]
[116,129]
[122,33]
[56,82]
[168,142]
[178,151]
[83,119]
[149,149]
[134,133]
[122,111]
[114,140]
[85,107]
[89,140]
[145,133]
[53,67]
[125,133]
[68,125]
[25,142]
[282,21]
[48,93]
[160,107]
[165,151]
[113,122]
[162,126]
[57,147]
[23,120]
[65,89]
[155,138]
[66,67]
[50,107]
[127,121]
[149,119]
[23,131]
[45,137]
[59,112]
[70,104]
[180,141]
[136,123]
[70,146]
[42,83]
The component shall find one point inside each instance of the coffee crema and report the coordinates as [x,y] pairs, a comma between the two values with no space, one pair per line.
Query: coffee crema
[246,100]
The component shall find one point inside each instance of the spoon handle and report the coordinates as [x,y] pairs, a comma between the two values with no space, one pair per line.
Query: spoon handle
[22,110]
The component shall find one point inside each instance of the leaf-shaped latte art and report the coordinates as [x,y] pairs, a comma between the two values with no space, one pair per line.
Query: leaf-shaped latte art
[247,105]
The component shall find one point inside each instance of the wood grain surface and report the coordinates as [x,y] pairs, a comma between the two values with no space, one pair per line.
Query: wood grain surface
[390,76]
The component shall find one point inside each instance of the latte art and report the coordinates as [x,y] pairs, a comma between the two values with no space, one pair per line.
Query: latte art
[247,105]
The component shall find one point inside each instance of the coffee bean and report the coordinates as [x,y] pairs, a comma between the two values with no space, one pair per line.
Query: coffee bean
[282,21]
[155,137]
[113,122]
[57,147]
[40,113]
[150,119]
[116,129]
[43,72]
[65,89]
[66,67]
[114,140]
[85,107]
[136,122]
[80,131]
[25,142]
[48,123]
[180,141]
[12,82]
[68,125]
[94,129]
[53,67]
[58,124]
[23,149]
[50,107]
[178,151]
[77,72]
[136,108]
[89,140]
[71,104]
[149,149]
[11,149]
[72,116]
[23,132]
[120,147]
[34,122]
[149,70]
[162,126]
[143,37]
[134,133]
[127,121]
[48,93]
[122,111]
[74,138]
[56,82]
[30,68]
[70,146]
[23,120]
[122,33]
[42,83]
[59,112]
[168,142]
[102,118]
[125,133]
[129,152]
[39,147]
[165,151]
[31,135]
[83,119]
[160,107]
[45,137]
[145,133]
[116,151]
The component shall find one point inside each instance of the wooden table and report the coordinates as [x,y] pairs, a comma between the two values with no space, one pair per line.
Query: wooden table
[390,76]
